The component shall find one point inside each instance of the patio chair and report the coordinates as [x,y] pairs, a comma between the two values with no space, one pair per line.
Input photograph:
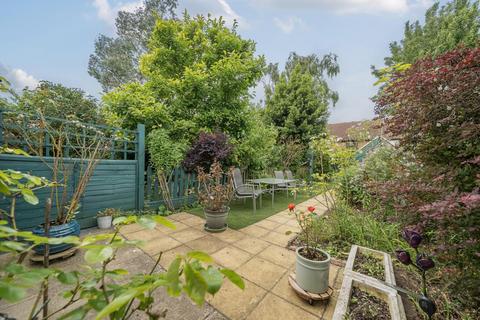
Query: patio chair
[282,186]
[245,190]
[294,184]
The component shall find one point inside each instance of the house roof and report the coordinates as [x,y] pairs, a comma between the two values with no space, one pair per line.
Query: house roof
[340,130]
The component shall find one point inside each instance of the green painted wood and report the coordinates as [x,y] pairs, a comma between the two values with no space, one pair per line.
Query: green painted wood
[140,171]
[113,184]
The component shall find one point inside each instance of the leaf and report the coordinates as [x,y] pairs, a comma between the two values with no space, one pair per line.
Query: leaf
[116,304]
[213,278]
[119,220]
[147,222]
[233,277]
[173,278]
[14,245]
[201,256]
[67,277]
[29,196]
[11,292]
[75,314]
[164,221]
[98,254]
[195,285]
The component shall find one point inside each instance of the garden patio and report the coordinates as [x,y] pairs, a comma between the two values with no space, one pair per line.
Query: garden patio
[257,252]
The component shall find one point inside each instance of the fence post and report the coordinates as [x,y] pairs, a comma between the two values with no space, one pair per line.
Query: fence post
[140,166]
[1,127]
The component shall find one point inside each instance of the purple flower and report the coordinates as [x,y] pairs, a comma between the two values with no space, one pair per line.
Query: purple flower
[413,238]
[424,262]
[403,256]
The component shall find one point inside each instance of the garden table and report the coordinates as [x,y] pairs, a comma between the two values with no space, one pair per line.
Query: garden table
[272,182]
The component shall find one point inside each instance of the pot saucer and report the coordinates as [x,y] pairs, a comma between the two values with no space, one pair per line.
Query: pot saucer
[215,230]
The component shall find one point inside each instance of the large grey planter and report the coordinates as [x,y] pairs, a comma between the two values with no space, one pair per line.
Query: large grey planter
[216,220]
[312,276]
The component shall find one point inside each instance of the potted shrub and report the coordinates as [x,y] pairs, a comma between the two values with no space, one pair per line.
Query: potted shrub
[214,195]
[104,218]
[312,264]
[73,153]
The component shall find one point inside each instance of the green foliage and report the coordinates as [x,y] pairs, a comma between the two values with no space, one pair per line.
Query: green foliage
[9,97]
[56,100]
[197,72]
[115,60]
[457,22]
[255,149]
[344,226]
[297,99]
[165,154]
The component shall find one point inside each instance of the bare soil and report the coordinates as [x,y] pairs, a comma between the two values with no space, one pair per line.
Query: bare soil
[369,265]
[314,255]
[365,306]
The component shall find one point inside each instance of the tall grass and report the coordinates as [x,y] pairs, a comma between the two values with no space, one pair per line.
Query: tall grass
[345,226]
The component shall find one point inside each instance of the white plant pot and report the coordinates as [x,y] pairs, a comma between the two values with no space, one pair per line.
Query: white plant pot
[311,275]
[104,222]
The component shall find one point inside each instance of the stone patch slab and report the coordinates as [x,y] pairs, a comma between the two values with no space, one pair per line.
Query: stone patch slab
[278,219]
[229,235]
[236,303]
[275,308]
[157,245]
[187,235]
[255,231]
[180,216]
[193,221]
[251,245]
[278,255]
[145,235]
[207,244]
[166,230]
[131,228]
[231,257]
[270,225]
[287,229]
[261,272]
[280,239]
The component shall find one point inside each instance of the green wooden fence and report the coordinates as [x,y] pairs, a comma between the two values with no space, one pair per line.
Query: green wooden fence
[118,179]
[181,186]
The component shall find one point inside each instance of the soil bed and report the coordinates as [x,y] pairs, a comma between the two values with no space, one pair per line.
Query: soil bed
[364,305]
[369,265]
[314,255]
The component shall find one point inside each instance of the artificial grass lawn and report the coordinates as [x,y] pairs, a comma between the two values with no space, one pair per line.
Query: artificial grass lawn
[241,214]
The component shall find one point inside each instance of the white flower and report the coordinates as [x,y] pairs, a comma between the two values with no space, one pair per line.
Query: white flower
[439,124]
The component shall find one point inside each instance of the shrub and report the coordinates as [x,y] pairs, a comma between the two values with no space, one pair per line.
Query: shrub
[208,148]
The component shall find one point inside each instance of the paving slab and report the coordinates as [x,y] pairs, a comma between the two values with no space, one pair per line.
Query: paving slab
[187,235]
[255,231]
[229,235]
[269,225]
[261,272]
[157,245]
[231,257]
[278,255]
[208,244]
[236,303]
[251,245]
[275,308]
[280,239]
[144,235]
[166,230]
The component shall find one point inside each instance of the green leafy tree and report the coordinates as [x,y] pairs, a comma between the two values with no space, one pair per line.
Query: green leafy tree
[115,59]
[298,98]
[445,28]
[197,72]
[56,100]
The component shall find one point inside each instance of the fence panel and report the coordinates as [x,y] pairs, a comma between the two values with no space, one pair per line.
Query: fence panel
[182,185]
[117,181]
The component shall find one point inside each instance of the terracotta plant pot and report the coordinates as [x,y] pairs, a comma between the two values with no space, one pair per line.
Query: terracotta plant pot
[216,220]
[311,275]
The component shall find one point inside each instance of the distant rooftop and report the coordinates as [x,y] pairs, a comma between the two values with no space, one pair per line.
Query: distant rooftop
[341,129]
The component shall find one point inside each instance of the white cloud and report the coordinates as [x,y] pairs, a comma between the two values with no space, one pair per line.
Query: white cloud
[344,6]
[18,78]
[217,8]
[107,12]
[289,24]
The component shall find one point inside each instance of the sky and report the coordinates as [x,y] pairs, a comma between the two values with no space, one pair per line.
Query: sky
[52,39]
